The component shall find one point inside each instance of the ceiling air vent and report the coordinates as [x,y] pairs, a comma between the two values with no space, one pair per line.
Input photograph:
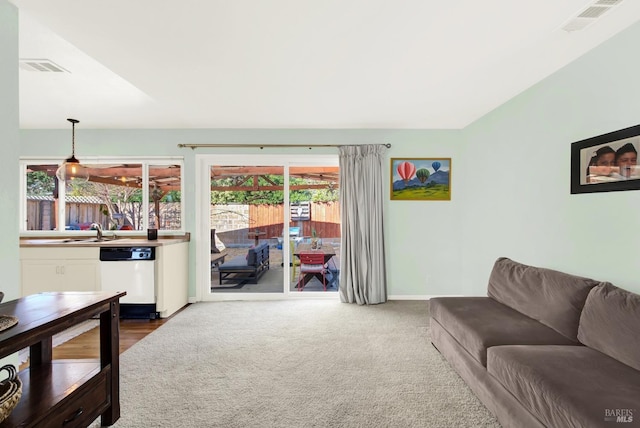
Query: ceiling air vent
[41,65]
[608,2]
[588,16]
[593,12]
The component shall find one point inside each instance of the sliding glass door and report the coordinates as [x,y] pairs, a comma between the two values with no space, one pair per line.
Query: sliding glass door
[314,226]
[256,215]
[246,220]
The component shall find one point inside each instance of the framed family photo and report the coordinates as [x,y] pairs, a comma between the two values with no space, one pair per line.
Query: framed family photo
[606,163]
[420,179]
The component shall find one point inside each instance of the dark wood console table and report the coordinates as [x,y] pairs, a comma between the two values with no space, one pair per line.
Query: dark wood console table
[69,393]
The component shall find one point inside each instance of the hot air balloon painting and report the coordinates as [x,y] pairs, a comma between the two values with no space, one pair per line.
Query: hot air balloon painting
[420,179]
[422,174]
[406,171]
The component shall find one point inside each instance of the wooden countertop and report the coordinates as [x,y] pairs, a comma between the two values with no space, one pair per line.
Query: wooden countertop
[108,241]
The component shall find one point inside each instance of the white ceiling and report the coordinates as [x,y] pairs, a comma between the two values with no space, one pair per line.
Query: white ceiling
[293,63]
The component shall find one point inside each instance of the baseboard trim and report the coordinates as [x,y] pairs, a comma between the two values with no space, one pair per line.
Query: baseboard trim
[407,297]
[390,297]
[419,297]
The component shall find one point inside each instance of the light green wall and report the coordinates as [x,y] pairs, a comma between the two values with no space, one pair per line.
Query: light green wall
[424,243]
[510,181]
[9,143]
[516,183]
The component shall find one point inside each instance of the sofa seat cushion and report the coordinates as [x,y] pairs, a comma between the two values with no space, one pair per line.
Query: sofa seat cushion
[554,298]
[480,322]
[610,323]
[567,386]
[238,263]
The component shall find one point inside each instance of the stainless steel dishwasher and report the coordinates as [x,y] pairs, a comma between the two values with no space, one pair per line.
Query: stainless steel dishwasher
[131,269]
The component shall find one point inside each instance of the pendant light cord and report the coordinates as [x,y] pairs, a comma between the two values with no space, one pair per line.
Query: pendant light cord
[73,136]
[73,139]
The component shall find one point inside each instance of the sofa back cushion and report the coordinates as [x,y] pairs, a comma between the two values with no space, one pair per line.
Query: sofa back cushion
[257,255]
[551,297]
[251,256]
[610,323]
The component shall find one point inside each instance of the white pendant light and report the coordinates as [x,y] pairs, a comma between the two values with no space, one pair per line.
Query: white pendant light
[71,169]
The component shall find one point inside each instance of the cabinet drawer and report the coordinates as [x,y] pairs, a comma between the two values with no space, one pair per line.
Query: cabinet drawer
[82,406]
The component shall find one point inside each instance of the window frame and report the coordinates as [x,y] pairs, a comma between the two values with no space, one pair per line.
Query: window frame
[145,161]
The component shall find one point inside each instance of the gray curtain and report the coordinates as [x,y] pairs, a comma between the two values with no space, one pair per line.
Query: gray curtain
[362,264]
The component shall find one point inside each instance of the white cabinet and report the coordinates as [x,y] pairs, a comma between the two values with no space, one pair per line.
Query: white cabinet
[59,269]
[172,279]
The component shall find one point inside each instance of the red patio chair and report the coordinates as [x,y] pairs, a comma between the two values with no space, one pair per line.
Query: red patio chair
[312,262]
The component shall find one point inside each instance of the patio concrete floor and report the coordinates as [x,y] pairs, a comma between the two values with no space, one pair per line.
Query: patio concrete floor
[271,280]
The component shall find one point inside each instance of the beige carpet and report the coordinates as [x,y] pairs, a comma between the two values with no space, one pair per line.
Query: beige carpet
[307,363]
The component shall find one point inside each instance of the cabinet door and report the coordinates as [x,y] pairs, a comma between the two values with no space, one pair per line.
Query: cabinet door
[59,275]
[39,276]
[80,275]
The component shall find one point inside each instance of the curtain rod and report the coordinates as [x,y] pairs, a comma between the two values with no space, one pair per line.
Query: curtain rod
[262,146]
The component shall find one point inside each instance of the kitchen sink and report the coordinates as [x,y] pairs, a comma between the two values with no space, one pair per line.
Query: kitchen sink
[80,240]
[103,239]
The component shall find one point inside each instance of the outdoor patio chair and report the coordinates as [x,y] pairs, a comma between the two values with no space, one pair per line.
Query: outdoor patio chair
[312,263]
[294,260]
[334,271]
[214,248]
[294,234]
[294,231]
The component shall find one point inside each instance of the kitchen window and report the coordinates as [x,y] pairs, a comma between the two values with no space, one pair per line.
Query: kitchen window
[120,195]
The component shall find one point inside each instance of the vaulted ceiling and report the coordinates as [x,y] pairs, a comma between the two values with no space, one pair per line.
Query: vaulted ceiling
[295,64]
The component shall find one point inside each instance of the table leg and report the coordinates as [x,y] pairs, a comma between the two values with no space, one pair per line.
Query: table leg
[41,352]
[109,355]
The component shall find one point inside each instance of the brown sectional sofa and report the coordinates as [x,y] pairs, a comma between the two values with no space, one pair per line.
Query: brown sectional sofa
[545,348]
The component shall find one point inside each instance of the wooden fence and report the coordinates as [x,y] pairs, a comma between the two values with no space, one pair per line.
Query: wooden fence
[234,224]
[41,214]
[325,219]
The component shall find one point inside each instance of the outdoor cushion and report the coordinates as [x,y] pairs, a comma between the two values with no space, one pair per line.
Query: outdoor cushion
[478,323]
[252,253]
[567,386]
[238,263]
[551,297]
[248,262]
[610,323]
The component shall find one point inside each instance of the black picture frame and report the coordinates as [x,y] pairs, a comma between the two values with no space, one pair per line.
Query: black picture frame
[587,179]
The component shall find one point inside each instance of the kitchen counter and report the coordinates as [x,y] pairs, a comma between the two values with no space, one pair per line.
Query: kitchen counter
[72,263]
[107,241]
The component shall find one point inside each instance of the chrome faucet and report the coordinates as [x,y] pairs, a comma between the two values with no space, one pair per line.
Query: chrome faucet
[98,228]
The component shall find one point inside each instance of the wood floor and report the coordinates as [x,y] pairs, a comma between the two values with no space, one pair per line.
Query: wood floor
[87,345]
